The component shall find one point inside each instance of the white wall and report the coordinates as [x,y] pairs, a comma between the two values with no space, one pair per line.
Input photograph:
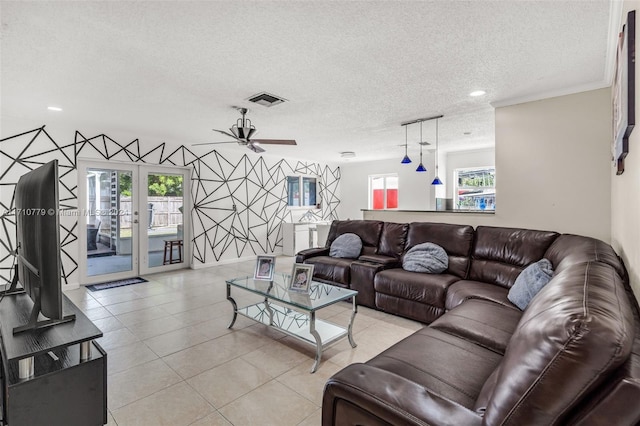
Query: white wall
[220,179]
[415,190]
[552,166]
[625,193]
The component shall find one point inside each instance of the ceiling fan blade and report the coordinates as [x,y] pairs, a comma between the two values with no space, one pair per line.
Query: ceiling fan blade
[212,143]
[275,141]
[255,148]
[230,135]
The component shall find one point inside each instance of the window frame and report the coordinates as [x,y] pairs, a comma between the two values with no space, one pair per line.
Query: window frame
[301,178]
[457,186]
[384,190]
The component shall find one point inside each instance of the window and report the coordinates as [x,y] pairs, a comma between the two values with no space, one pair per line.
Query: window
[383,192]
[475,188]
[301,191]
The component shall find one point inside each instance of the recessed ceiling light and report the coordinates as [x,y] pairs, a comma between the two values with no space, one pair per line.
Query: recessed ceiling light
[477,93]
[467,133]
[347,154]
[54,108]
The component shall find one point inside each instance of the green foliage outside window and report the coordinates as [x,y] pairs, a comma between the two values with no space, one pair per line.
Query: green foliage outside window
[476,180]
[159,185]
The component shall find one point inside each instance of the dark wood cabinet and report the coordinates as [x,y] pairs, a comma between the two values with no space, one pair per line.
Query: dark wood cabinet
[64,389]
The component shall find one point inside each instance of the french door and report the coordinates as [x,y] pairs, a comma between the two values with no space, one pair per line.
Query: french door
[133,220]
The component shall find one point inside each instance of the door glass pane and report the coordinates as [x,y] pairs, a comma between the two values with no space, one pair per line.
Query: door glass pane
[377,196]
[109,236]
[165,230]
[392,192]
[309,187]
[293,190]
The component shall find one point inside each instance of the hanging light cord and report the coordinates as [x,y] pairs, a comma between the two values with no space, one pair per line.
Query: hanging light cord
[436,147]
[421,142]
[405,141]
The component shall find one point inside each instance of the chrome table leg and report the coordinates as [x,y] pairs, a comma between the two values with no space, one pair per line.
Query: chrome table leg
[235,307]
[353,316]
[314,333]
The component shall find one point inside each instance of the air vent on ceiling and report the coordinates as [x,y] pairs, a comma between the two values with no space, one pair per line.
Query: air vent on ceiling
[266,99]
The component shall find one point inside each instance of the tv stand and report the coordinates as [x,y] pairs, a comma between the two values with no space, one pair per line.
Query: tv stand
[34,324]
[13,288]
[53,376]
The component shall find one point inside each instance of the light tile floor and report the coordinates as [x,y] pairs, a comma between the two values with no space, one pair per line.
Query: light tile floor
[173,361]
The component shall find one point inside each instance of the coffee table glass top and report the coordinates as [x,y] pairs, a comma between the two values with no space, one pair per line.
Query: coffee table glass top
[319,296]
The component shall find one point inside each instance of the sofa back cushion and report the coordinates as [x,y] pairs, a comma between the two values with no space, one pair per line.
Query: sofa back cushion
[570,249]
[393,239]
[571,338]
[368,230]
[500,254]
[456,240]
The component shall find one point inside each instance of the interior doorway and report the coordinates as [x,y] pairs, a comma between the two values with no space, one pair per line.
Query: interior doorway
[132,220]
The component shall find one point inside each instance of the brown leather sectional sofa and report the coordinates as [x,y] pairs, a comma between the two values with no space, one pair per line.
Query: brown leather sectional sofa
[571,357]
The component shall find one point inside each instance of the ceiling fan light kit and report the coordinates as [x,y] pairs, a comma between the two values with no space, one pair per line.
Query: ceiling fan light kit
[242,132]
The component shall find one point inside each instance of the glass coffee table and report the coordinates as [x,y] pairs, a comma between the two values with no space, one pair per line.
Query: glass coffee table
[294,313]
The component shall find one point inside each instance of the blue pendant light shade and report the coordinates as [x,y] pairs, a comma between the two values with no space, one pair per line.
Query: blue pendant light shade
[421,168]
[406,159]
[437,180]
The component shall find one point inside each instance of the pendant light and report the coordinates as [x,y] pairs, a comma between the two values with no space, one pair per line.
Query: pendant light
[421,168]
[437,180]
[406,159]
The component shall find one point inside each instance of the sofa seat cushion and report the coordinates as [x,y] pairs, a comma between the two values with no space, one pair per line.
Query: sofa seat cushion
[331,269]
[467,289]
[444,364]
[482,322]
[424,288]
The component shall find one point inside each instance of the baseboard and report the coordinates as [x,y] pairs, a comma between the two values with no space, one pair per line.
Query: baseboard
[70,286]
[195,265]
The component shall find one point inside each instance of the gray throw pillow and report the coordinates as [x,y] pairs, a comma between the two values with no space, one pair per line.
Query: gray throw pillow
[346,245]
[426,257]
[530,282]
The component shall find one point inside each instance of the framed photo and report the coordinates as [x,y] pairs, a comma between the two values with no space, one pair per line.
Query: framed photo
[265,266]
[623,93]
[301,277]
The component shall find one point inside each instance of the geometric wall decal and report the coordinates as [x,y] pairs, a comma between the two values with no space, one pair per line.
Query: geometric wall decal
[19,154]
[239,201]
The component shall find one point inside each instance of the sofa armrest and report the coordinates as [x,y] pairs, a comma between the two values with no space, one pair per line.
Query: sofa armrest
[387,261]
[303,255]
[362,275]
[362,394]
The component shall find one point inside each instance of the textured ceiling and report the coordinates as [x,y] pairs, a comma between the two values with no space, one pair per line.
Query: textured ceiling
[351,71]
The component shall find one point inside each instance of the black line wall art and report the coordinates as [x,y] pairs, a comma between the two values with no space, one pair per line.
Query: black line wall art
[239,201]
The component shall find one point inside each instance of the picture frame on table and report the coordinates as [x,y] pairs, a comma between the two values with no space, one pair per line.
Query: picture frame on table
[623,93]
[301,277]
[265,267]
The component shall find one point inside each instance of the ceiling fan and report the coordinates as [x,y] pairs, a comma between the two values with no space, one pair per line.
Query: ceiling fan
[242,132]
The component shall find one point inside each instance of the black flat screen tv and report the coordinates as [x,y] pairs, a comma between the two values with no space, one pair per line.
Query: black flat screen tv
[39,263]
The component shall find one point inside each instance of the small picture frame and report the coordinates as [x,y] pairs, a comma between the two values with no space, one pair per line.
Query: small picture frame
[265,266]
[301,277]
